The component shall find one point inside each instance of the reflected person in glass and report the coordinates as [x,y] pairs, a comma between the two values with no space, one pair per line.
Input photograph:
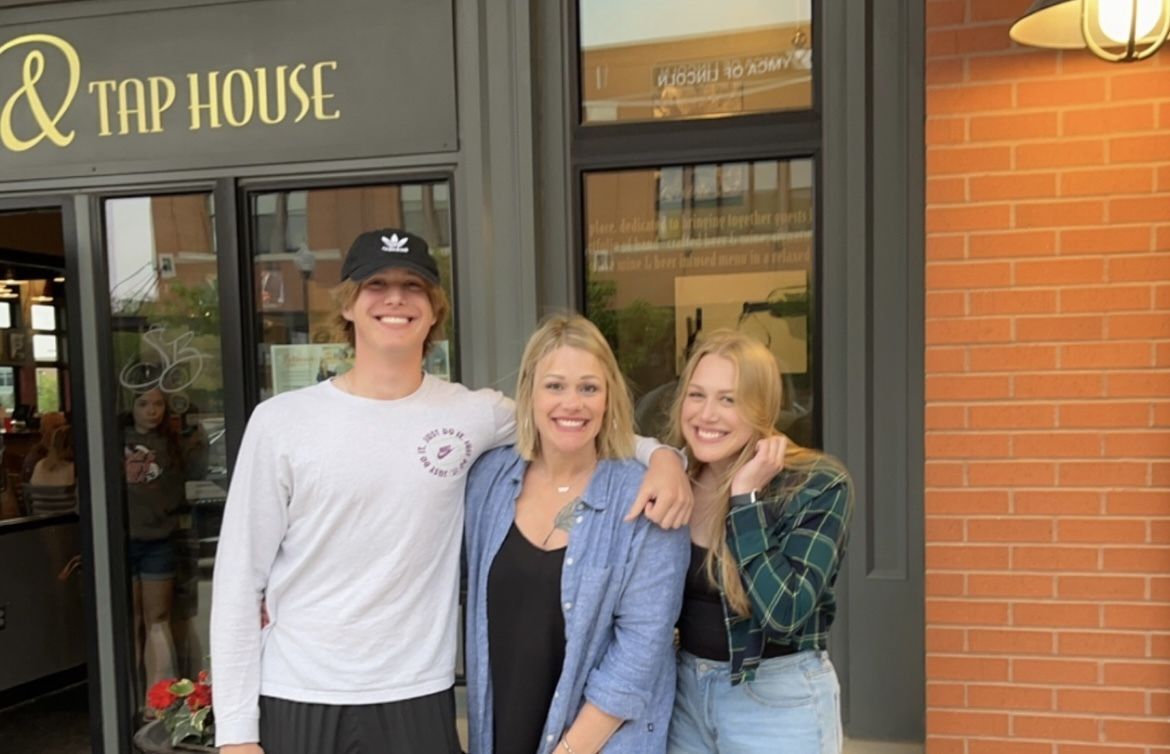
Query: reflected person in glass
[571,606]
[55,468]
[769,531]
[52,488]
[50,423]
[155,476]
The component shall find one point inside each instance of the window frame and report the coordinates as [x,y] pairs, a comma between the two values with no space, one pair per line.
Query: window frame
[780,136]
[103,370]
[778,118]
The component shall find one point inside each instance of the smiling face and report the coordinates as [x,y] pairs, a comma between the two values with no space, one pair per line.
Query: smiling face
[568,401]
[392,312]
[710,422]
[148,410]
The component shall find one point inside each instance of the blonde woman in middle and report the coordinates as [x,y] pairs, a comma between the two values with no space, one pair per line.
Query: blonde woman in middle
[570,607]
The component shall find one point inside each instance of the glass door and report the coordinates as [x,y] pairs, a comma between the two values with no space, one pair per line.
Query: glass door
[165,351]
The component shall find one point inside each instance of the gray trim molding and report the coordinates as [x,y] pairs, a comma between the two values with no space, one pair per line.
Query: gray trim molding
[495,224]
[97,417]
[873,352]
[555,113]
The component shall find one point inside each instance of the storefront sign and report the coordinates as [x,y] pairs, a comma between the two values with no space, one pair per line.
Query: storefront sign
[193,87]
[137,105]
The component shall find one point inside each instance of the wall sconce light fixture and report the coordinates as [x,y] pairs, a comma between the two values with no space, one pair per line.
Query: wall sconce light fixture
[1120,31]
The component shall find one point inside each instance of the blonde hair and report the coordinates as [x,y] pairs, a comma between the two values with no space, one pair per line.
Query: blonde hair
[50,422]
[616,438]
[757,400]
[345,295]
[60,448]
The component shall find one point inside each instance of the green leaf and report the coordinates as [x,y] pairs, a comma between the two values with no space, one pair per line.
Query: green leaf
[183,730]
[183,687]
[199,718]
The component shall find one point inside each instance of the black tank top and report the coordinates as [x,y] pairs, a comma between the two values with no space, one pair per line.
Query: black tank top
[702,630]
[526,640]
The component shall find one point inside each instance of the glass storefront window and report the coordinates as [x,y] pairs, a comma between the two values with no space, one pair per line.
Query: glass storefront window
[44,317]
[44,347]
[48,389]
[32,348]
[678,251]
[297,244]
[678,59]
[8,388]
[165,345]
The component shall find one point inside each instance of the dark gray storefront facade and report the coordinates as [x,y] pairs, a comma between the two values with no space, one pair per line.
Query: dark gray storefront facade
[465,115]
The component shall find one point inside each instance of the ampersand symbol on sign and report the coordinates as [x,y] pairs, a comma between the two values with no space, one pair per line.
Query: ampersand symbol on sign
[33,70]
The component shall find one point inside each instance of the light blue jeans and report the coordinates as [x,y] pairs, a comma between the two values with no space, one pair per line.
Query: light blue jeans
[792,707]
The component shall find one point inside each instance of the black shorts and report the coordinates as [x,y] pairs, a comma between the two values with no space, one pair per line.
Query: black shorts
[423,725]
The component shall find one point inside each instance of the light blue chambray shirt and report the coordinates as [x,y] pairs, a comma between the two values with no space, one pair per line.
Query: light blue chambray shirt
[621,591]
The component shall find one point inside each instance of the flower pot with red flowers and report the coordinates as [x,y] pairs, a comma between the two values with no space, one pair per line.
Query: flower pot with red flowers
[183,717]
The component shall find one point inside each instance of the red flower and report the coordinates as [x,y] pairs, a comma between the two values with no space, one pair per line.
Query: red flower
[203,676]
[160,697]
[199,698]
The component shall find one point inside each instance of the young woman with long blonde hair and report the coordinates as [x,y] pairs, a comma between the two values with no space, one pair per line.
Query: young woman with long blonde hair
[768,532]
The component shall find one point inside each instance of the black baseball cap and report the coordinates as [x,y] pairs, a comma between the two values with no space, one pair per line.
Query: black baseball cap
[377,250]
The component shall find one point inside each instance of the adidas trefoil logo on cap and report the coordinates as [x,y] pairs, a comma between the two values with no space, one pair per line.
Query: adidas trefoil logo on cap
[395,244]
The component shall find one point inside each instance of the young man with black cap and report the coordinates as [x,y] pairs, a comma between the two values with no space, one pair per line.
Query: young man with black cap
[345,518]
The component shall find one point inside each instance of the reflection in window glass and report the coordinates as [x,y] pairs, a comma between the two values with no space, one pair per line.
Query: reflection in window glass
[44,347]
[677,252]
[676,59]
[8,388]
[43,316]
[48,390]
[165,341]
[297,262]
[765,175]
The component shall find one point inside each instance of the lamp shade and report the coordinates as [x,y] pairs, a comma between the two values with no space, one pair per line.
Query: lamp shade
[1120,31]
[1055,24]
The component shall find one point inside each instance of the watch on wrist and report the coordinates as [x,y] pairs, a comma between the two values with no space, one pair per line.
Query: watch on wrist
[744,498]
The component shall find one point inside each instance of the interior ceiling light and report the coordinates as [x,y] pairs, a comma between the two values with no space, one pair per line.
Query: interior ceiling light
[1120,31]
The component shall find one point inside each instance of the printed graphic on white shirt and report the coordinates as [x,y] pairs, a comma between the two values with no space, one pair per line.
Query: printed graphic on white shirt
[445,452]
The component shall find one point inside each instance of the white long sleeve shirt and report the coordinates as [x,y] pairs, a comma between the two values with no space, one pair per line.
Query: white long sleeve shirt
[346,514]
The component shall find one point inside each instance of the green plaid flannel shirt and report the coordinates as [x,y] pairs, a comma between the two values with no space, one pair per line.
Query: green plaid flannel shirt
[789,553]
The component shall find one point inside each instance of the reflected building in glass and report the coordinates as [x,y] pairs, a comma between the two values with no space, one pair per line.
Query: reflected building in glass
[676,252]
[683,248]
[656,61]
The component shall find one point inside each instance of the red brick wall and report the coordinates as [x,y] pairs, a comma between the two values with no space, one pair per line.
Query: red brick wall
[1048,394]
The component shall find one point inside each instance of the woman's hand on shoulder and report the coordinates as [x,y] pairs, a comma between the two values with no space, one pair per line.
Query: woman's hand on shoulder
[763,467]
